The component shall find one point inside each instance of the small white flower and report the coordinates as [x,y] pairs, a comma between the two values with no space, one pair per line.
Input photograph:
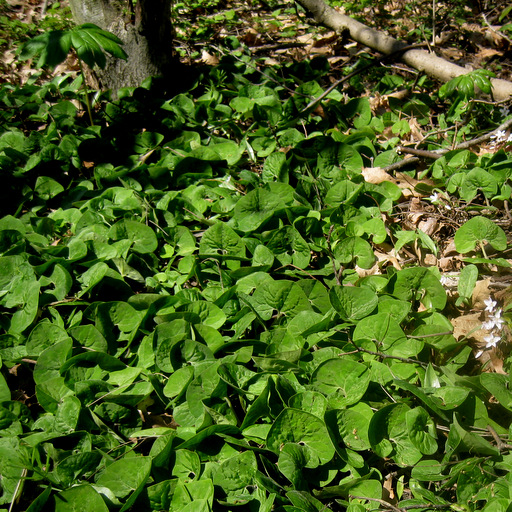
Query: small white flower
[491,340]
[497,314]
[489,325]
[504,111]
[478,354]
[500,136]
[509,139]
[434,197]
[490,305]
[499,323]
[447,206]
[497,320]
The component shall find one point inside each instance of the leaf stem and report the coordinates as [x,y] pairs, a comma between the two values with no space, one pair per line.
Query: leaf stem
[84,86]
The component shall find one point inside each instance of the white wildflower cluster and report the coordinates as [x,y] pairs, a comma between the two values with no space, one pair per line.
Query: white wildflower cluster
[435,198]
[493,325]
[500,137]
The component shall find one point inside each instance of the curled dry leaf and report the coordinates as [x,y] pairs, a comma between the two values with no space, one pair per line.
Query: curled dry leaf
[481,292]
[209,59]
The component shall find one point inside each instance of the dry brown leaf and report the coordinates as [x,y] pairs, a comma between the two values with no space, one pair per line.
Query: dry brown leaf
[446,264]
[487,53]
[323,50]
[465,326]
[251,37]
[450,250]
[306,39]
[388,492]
[328,38]
[493,36]
[209,59]
[481,292]
[416,133]
[429,226]
[430,260]
[375,175]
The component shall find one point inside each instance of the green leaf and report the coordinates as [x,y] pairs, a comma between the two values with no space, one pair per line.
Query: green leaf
[5,393]
[389,436]
[90,41]
[12,467]
[228,151]
[498,386]
[309,401]
[82,498]
[221,239]
[304,429]
[275,168]
[354,249]
[53,48]
[304,501]
[71,468]
[293,458]
[47,188]
[462,441]
[187,466]
[428,471]
[422,430]
[419,283]
[236,473]
[254,209]
[289,247]
[189,495]
[479,230]
[349,427]
[475,180]
[467,280]
[342,381]
[142,237]
[68,411]
[28,297]
[353,303]
[44,335]
[285,297]
[387,334]
[126,477]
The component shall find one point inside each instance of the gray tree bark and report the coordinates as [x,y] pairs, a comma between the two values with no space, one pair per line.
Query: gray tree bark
[146,31]
[421,60]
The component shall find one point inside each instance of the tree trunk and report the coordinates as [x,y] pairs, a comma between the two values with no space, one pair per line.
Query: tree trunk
[147,34]
[421,60]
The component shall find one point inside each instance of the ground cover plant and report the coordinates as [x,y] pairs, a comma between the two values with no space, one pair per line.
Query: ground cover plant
[240,298]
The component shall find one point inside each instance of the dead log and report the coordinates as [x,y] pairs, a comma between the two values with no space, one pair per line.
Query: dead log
[421,60]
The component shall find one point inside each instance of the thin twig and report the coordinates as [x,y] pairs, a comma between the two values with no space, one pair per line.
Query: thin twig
[385,356]
[15,496]
[499,443]
[492,29]
[276,46]
[403,163]
[418,152]
[419,336]
[389,506]
[386,504]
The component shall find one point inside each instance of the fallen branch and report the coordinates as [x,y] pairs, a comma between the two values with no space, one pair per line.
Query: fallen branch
[421,60]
